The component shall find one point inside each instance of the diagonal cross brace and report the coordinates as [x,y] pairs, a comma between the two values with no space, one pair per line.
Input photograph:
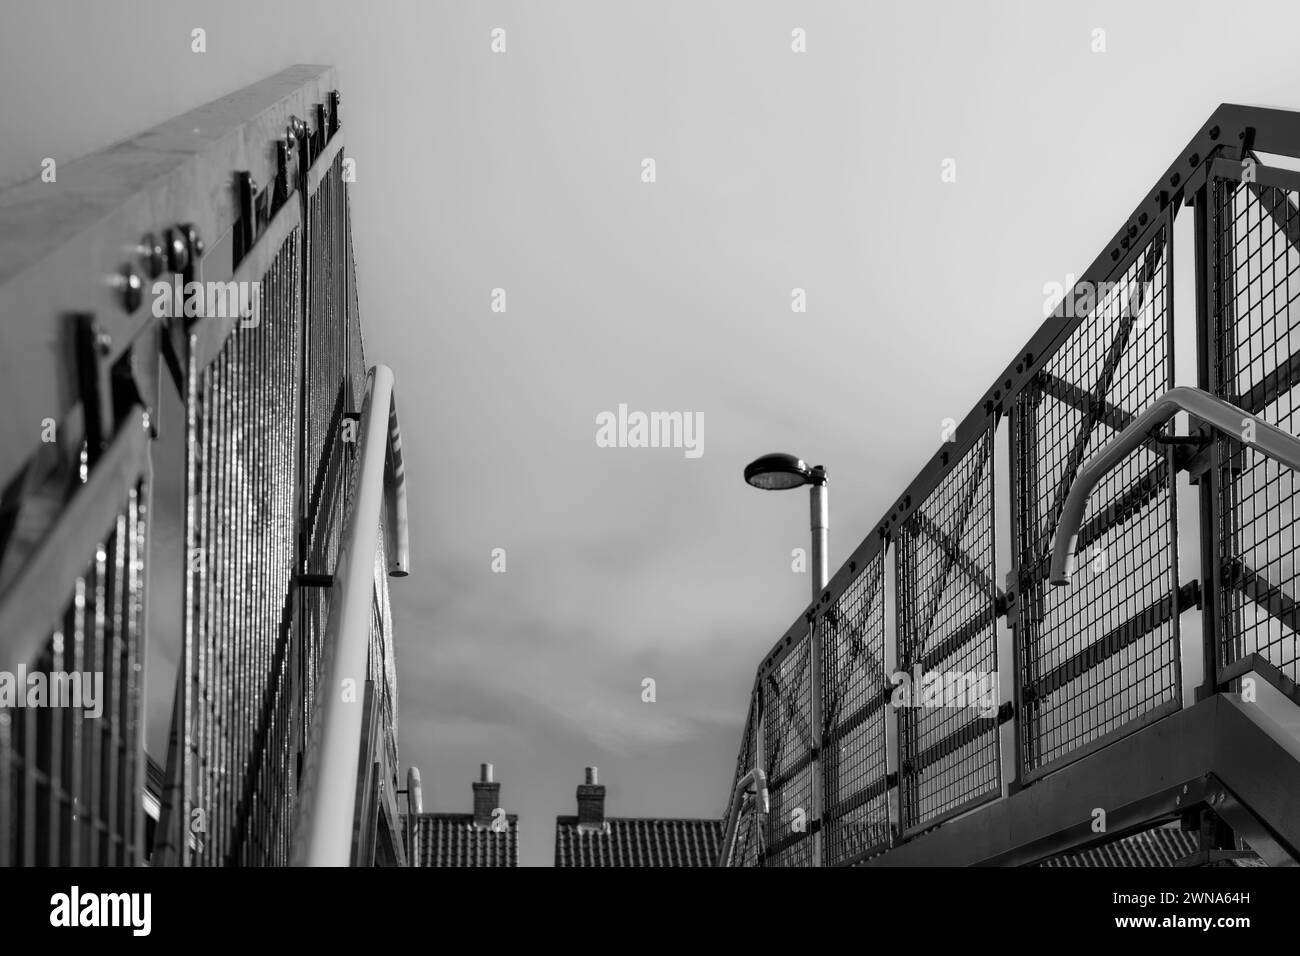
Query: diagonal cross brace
[1096,408]
[949,560]
[837,694]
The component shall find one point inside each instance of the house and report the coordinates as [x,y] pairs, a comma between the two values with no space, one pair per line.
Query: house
[593,839]
[487,837]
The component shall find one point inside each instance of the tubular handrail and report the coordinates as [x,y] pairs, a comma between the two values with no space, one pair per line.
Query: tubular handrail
[759,779]
[1270,440]
[323,835]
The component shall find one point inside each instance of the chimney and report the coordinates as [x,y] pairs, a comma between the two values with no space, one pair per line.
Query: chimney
[591,803]
[487,797]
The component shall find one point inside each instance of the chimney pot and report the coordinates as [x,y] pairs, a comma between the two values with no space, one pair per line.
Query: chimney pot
[485,772]
[591,777]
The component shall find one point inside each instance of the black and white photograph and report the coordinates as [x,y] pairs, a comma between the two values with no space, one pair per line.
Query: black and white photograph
[391,400]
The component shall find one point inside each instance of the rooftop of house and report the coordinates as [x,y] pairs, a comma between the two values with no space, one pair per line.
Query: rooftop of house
[589,838]
[487,837]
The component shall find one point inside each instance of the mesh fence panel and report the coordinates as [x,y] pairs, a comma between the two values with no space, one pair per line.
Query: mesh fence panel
[856,803]
[244,738]
[1103,652]
[70,780]
[356,349]
[328,374]
[1255,231]
[327,460]
[787,730]
[947,642]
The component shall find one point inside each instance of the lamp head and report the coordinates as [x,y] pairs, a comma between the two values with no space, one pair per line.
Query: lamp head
[777,472]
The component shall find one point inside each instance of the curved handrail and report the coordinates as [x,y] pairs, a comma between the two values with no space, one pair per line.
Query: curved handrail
[759,779]
[328,795]
[1270,440]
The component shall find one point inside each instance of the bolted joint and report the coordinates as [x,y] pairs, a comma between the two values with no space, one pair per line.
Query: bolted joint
[102,341]
[336,109]
[196,244]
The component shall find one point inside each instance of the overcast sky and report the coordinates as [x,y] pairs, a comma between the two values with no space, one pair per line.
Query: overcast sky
[774,170]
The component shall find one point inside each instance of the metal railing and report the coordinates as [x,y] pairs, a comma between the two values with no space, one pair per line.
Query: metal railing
[928,593]
[329,788]
[236,432]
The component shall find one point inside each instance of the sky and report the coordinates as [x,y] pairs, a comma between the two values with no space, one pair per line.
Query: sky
[523,171]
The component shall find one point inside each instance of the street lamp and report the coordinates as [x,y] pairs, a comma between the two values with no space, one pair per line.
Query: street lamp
[779,472]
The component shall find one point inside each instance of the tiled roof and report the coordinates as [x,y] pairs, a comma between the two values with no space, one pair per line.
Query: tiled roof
[628,841]
[451,839]
[1162,846]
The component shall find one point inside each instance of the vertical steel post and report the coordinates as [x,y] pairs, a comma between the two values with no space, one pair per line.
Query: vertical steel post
[1206,378]
[820,525]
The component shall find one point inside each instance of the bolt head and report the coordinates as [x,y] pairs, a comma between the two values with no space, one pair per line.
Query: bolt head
[178,251]
[132,288]
[151,255]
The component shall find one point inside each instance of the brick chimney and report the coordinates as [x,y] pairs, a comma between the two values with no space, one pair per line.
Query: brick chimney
[591,803]
[487,797]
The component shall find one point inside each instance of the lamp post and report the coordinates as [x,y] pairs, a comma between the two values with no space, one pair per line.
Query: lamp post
[780,472]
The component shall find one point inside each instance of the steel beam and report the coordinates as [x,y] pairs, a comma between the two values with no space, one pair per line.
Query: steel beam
[1140,779]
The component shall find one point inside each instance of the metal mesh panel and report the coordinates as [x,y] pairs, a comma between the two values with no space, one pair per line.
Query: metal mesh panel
[1102,653]
[856,803]
[1257,341]
[787,743]
[947,642]
[70,781]
[327,370]
[327,460]
[244,739]
[356,349]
